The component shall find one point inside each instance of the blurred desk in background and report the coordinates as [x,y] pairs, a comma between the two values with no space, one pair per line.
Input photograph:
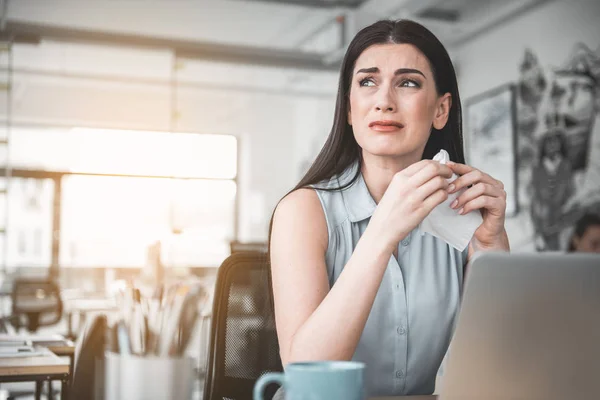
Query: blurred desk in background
[38,369]
[57,344]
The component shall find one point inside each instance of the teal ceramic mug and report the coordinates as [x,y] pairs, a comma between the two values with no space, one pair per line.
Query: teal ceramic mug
[320,380]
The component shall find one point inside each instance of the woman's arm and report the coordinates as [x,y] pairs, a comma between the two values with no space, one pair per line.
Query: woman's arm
[314,322]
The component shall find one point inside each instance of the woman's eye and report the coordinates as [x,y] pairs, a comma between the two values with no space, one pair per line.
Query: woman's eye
[367,82]
[409,83]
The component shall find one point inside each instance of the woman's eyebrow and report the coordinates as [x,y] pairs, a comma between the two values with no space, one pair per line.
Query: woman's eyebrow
[372,70]
[399,71]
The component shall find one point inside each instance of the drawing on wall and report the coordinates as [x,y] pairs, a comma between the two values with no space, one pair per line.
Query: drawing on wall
[490,122]
[558,143]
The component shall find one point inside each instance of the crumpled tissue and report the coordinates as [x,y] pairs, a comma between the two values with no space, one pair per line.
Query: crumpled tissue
[446,223]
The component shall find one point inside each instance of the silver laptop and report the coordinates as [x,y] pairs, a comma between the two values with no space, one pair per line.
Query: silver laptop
[529,328]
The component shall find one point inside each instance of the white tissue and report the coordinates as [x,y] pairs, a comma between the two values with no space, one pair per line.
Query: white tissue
[446,223]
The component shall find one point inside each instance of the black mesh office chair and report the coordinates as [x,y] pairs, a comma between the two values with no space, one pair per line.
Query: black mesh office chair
[89,349]
[243,340]
[35,302]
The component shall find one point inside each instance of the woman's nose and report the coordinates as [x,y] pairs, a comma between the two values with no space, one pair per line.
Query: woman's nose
[385,102]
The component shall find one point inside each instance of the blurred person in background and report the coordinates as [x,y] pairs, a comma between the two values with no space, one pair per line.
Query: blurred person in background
[586,236]
[553,185]
[353,279]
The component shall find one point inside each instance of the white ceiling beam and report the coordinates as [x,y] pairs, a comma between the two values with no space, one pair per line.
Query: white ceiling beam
[182,48]
[223,30]
[219,21]
[486,20]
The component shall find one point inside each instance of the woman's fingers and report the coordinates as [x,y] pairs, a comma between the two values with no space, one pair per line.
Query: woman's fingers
[434,200]
[478,189]
[495,205]
[470,176]
[431,186]
[414,168]
[418,166]
[429,171]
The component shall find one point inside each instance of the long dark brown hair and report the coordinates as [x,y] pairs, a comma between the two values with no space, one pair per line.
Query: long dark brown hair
[341,149]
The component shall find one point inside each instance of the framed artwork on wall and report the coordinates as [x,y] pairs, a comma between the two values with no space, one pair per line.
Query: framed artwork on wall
[490,122]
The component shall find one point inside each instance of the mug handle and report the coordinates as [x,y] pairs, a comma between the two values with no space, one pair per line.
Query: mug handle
[264,380]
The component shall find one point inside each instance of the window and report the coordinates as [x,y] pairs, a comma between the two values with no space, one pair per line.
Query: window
[122,191]
[29,229]
[111,221]
[125,152]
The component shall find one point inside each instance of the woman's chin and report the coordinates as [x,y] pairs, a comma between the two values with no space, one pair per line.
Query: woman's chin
[389,150]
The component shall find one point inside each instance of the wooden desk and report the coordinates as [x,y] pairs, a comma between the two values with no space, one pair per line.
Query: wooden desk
[60,346]
[64,347]
[55,343]
[38,369]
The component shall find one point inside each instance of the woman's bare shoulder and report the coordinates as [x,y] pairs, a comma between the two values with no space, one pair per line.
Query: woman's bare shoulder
[300,216]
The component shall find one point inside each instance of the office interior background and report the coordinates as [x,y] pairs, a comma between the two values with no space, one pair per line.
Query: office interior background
[145,140]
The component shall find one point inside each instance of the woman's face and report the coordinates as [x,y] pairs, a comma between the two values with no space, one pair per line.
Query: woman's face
[589,242]
[394,101]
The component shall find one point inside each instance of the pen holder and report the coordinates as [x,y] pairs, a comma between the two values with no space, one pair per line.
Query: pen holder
[129,377]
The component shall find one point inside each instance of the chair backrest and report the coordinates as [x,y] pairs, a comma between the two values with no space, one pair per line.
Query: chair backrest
[38,300]
[90,347]
[247,247]
[243,340]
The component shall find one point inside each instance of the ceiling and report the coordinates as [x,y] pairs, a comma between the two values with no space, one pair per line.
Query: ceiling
[307,34]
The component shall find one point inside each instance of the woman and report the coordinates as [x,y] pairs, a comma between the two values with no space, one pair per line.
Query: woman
[586,236]
[352,278]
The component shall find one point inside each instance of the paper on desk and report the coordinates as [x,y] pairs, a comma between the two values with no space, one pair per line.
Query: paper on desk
[4,337]
[446,223]
[18,351]
[15,349]
[23,355]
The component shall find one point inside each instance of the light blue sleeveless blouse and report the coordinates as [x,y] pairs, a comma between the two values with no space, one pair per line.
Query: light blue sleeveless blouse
[410,325]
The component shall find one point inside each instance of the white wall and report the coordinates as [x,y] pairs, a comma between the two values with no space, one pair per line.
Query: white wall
[276,114]
[223,21]
[493,59]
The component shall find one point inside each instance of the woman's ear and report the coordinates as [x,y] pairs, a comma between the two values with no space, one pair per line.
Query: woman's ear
[442,112]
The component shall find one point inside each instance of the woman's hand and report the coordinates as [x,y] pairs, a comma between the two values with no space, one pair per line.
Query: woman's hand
[486,194]
[410,197]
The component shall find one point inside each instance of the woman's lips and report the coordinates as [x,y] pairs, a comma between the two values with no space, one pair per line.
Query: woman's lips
[385,126]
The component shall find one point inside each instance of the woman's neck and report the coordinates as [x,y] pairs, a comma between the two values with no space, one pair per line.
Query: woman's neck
[378,172]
